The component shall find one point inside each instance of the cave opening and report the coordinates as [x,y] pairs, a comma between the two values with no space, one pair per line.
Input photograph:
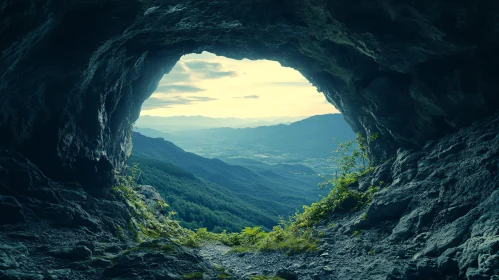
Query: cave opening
[251,126]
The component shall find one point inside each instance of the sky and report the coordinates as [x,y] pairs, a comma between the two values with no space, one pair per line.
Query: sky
[219,87]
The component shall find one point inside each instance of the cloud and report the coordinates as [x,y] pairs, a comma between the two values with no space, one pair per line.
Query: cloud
[199,65]
[201,98]
[218,75]
[178,89]
[169,102]
[249,97]
[179,73]
[209,70]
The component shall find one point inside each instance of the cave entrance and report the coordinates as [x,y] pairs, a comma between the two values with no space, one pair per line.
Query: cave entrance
[253,137]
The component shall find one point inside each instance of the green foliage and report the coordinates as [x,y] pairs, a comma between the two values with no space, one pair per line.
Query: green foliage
[340,199]
[199,203]
[148,221]
[283,237]
[351,160]
[222,274]
[364,217]
[194,275]
[119,232]
[356,233]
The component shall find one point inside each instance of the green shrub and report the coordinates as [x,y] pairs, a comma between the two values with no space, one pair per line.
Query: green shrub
[148,221]
[283,237]
[194,275]
[352,162]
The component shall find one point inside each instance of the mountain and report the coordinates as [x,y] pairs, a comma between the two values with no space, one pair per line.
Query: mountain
[197,202]
[307,142]
[260,194]
[183,123]
[311,137]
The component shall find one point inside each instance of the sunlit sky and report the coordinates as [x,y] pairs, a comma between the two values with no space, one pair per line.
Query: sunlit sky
[214,86]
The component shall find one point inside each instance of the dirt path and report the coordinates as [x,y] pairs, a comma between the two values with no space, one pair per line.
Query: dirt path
[247,264]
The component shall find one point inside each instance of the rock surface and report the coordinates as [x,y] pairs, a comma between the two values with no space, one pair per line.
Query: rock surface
[73,75]
[436,218]
[67,234]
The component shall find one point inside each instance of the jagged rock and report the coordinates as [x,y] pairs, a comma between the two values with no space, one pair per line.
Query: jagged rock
[17,275]
[10,255]
[77,253]
[152,265]
[11,209]
[287,274]
[59,274]
[397,68]
[80,252]
[98,262]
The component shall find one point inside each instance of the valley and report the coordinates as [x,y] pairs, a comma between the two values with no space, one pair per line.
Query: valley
[307,142]
[233,187]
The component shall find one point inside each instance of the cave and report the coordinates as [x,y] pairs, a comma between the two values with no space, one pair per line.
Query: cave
[74,75]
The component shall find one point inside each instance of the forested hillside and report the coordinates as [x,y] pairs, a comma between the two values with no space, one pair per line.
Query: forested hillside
[214,194]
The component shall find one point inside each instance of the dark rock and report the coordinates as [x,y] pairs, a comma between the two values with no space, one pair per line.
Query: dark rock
[98,262]
[113,249]
[80,252]
[17,275]
[24,236]
[11,209]
[59,274]
[409,82]
[10,255]
[287,274]
[90,245]
[387,206]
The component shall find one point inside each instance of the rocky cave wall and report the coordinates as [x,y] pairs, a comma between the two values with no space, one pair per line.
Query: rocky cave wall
[73,74]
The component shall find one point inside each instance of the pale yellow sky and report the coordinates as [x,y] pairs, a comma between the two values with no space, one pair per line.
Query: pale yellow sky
[214,86]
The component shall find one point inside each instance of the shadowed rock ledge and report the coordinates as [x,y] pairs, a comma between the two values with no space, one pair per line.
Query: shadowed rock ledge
[73,74]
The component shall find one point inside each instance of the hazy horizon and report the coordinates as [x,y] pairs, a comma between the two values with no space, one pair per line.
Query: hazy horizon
[218,87]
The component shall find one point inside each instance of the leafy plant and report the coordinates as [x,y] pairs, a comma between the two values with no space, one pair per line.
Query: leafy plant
[283,237]
[194,275]
[351,161]
[148,221]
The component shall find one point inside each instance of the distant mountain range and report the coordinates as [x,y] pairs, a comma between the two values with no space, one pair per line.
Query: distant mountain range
[182,123]
[308,142]
[214,194]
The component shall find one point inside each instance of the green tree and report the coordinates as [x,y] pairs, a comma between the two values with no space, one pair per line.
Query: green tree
[350,160]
